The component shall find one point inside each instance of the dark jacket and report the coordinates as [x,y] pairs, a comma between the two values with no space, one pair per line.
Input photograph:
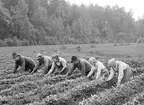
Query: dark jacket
[26,63]
[84,66]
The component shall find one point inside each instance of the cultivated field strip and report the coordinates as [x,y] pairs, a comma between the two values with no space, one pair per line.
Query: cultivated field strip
[118,95]
[37,94]
[25,89]
[137,99]
[55,91]
[77,93]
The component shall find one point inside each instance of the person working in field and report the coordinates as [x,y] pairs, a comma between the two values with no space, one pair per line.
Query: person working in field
[83,65]
[26,63]
[101,72]
[123,69]
[59,65]
[43,61]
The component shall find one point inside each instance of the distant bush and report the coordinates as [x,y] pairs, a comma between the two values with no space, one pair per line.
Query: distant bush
[51,41]
[10,42]
[17,41]
[14,42]
[93,46]
[140,40]
[2,43]
[127,44]
[115,44]
[25,42]
[63,47]
[78,48]
[121,44]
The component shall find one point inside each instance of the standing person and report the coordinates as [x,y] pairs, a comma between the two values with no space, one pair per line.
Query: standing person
[101,72]
[43,61]
[60,65]
[83,65]
[26,63]
[123,69]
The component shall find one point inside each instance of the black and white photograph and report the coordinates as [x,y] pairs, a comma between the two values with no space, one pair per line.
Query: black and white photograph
[71,52]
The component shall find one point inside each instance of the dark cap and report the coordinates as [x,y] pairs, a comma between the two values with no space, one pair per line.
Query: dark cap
[15,55]
[74,58]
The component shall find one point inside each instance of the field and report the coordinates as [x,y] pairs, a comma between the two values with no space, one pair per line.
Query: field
[25,89]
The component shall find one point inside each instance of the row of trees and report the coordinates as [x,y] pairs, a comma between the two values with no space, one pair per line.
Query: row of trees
[59,22]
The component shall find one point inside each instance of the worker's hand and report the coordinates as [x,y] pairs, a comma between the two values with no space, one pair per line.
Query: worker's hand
[31,72]
[67,74]
[107,80]
[20,69]
[118,84]
[89,78]
[14,72]
[47,75]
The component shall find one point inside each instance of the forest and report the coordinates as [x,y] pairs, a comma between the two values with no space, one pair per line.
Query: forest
[51,22]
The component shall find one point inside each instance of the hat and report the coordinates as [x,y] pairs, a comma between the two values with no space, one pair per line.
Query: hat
[92,59]
[74,58]
[111,62]
[15,55]
[55,56]
[38,56]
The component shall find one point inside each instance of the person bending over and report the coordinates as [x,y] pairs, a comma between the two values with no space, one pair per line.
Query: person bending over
[26,63]
[101,72]
[59,65]
[83,65]
[124,71]
[43,61]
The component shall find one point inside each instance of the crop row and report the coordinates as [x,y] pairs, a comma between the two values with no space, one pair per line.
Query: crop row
[30,91]
[137,99]
[76,94]
[118,95]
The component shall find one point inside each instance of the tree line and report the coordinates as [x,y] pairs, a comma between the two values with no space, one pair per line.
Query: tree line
[50,22]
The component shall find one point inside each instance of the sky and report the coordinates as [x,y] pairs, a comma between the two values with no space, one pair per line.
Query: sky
[137,6]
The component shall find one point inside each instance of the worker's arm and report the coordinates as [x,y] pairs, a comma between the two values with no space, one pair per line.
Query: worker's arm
[16,67]
[98,72]
[91,72]
[83,69]
[52,69]
[23,64]
[120,75]
[71,70]
[111,74]
[38,66]
[46,63]
[64,63]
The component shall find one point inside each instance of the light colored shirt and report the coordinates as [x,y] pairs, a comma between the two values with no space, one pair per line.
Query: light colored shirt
[120,67]
[61,63]
[100,69]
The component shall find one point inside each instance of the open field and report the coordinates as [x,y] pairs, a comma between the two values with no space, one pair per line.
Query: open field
[25,89]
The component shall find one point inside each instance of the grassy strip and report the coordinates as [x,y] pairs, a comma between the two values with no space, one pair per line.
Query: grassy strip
[61,87]
[38,92]
[8,89]
[19,88]
[73,96]
[118,95]
[21,79]
[137,99]
[11,76]
[8,83]
[48,80]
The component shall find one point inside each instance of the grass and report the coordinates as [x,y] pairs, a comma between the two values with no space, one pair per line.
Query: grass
[23,89]
[133,50]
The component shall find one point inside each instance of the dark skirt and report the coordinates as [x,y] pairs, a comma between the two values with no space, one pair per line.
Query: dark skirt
[127,75]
